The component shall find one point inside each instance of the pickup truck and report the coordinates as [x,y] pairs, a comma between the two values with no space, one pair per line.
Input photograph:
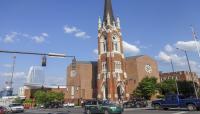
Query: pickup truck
[177,101]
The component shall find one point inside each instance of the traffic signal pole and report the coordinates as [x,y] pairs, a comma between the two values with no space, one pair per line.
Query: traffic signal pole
[41,54]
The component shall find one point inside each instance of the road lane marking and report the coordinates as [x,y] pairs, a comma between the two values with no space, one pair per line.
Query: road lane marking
[182,112]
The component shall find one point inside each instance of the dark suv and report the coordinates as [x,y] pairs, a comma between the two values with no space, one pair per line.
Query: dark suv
[135,103]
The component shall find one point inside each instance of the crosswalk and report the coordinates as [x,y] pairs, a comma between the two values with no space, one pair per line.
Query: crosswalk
[182,112]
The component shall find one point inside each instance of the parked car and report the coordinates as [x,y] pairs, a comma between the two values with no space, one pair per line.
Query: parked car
[3,110]
[69,105]
[16,108]
[53,105]
[175,101]
[135,103]
[87,102]
[102,107]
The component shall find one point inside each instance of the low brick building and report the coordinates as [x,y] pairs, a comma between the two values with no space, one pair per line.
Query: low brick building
[81,83]
[179,75]
[29,90]
[139,67]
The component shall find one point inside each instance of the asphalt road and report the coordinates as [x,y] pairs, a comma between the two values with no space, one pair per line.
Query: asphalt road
[127,111]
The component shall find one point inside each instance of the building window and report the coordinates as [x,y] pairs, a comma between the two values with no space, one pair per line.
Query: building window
[116,44]
[104,67]
[103,45]
[72,91]
[73,73]
[117,66]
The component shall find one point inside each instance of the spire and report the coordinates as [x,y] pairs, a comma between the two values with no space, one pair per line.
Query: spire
[108,12]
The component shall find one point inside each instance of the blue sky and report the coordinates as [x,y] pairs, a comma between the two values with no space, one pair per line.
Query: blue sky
[149,27]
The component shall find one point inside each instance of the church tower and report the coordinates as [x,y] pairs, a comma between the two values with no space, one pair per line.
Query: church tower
[111,79]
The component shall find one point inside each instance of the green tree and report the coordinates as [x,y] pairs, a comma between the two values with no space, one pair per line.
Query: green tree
[28,101]
[40,97]
[146,88]
[51,96]
[18,100]
[186,88]
[60,97]
[167,87]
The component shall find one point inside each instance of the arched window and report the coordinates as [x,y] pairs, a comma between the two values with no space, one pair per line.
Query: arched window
[103,45]
[116,44]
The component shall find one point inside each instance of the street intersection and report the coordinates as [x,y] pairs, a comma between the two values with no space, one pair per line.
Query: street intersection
[127,111]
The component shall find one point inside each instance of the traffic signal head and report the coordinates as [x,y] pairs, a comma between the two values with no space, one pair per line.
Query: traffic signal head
[74,64]
[44,61]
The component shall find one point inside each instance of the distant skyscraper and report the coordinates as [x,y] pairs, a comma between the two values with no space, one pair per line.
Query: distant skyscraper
[36,75]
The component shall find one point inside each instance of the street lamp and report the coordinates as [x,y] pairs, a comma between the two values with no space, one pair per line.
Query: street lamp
[175,77]
[188,62]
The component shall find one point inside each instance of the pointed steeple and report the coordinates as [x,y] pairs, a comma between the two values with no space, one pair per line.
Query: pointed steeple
[108,12]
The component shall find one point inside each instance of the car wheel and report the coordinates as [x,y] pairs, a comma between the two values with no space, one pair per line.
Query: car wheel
[191,107]
[124,106]
[137,106]
[166,108]
[157,106]
[106,112]
[88,112]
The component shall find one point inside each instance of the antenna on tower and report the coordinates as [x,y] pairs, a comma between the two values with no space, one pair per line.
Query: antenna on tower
[195,39]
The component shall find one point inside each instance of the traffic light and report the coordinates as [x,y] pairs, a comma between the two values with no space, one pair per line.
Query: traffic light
[74,63]
[44,61]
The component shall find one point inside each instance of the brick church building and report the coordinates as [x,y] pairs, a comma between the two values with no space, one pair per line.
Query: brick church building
[113,76]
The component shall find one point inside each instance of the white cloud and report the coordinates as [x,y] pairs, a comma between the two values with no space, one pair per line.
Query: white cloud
[130,49]
[41,38]
[169,48]
[95,51]
[187,45]
[163,57]
[179,60]
[68,29]
[45,34]
[82,35]
[7,65]
[15,36]
[10,38]
[76,32]
[16,74]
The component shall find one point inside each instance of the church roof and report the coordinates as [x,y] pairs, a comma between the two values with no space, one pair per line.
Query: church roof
[108,11]
[134,57]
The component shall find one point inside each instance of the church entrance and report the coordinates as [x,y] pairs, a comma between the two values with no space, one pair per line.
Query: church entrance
[103,89]
[120,91]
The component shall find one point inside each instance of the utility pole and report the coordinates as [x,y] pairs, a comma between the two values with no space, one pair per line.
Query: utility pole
[188,62]
[13,70]
[195,39]
[177,90]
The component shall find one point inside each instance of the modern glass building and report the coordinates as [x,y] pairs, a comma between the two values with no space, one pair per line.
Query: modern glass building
[36,75]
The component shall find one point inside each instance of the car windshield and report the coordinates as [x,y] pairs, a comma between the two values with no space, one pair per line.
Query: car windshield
[108,103]
[15,105]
